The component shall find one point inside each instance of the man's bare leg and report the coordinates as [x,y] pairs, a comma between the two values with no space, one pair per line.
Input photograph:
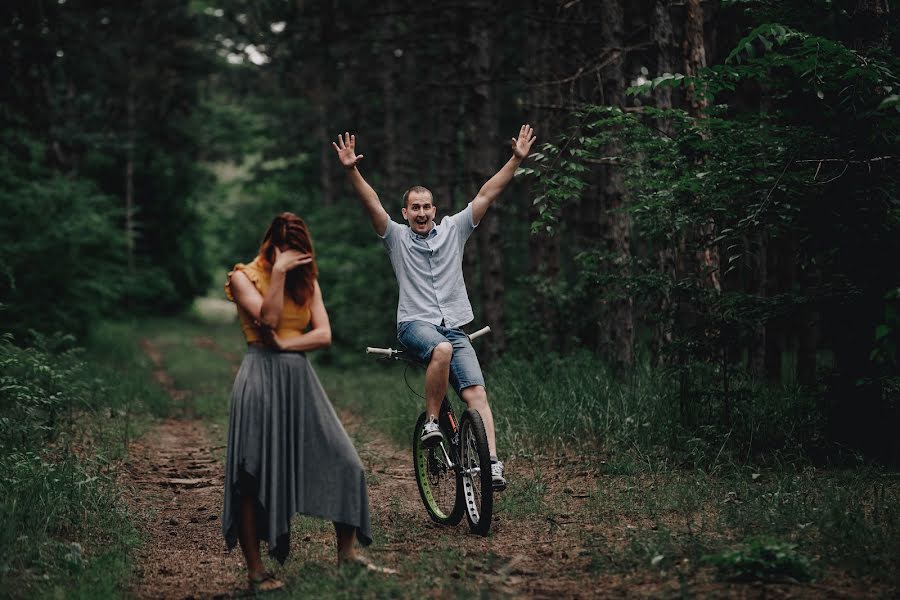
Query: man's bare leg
[437,376]
[475,397]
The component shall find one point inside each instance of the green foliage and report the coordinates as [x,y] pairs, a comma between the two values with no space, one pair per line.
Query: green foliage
[65,421]
[808,168]
[62,256]
[97,109]
[764,560]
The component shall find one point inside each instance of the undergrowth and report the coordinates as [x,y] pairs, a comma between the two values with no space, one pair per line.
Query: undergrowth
[67,418]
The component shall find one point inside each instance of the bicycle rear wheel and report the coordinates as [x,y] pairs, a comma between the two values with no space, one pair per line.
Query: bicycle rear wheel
[475,459]
[439,483]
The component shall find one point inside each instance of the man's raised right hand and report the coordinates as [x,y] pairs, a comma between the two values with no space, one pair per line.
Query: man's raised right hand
[346,150]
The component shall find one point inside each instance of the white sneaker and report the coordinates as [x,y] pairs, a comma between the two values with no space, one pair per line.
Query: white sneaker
[497,480]
[431,434]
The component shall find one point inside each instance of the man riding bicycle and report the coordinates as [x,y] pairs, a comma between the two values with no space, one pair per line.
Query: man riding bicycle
[434,304]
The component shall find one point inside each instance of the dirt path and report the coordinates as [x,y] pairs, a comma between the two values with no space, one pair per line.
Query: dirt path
[550,543]
[176,482]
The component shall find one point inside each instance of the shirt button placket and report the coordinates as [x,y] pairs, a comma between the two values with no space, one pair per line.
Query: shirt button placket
[433,277]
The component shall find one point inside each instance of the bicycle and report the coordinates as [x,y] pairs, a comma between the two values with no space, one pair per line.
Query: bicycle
[450,476]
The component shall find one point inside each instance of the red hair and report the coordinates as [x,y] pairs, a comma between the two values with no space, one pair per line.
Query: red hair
[289,232]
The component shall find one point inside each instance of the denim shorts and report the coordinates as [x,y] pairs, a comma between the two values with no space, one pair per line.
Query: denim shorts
[419,339]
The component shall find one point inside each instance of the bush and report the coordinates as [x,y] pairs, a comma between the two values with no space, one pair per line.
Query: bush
[65,421]
[764,560]
[62,258]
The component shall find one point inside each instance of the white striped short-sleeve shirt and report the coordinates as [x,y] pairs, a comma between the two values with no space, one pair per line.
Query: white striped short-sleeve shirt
[429,270]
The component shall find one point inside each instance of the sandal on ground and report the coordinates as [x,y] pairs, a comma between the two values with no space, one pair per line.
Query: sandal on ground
[267,583]
[364,563]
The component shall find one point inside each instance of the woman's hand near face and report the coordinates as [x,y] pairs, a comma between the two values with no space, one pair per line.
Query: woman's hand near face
[290,259]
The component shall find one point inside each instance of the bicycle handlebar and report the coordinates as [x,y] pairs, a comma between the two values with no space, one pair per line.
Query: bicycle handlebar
[390,352]
[383,351]
[484,330]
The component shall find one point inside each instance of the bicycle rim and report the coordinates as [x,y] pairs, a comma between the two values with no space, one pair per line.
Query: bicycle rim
[475,459]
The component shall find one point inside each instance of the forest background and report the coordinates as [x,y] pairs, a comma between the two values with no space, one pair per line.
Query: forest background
[711,205]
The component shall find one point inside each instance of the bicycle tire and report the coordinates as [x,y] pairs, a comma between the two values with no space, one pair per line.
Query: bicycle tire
[477,486]
[440,486]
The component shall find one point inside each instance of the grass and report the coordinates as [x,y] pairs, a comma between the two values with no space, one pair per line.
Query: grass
[68,416]
[674,496]
[605,463]
[762,560]
[528,497]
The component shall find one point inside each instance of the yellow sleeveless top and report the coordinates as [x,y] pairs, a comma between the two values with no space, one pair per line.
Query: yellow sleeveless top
[294,318]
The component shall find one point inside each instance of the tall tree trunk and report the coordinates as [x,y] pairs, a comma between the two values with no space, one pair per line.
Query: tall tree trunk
[390,148]
[664,41]
[871,26]
[617,330]
[482,161]
[694,61]
[780,253]
[756,350]
[694,51]
[326,154]
[543,247]
[131,137]
[444,129]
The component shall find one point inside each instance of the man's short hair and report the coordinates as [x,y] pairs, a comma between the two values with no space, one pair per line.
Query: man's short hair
[417,189]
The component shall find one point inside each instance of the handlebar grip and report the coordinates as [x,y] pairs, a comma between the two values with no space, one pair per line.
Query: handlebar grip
[480,332]
[382,351]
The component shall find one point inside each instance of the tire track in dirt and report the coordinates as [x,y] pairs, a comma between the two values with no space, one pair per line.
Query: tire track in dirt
[174,480]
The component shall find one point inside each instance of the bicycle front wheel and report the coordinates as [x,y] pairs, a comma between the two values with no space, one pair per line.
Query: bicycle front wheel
[437,478]
[475,459]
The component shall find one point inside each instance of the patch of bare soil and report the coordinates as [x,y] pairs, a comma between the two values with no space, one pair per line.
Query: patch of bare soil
[175,481]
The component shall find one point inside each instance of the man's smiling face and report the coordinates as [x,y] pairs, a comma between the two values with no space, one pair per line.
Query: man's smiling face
[419,212]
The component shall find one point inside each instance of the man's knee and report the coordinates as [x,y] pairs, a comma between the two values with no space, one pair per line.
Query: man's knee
[442,353]
[475,396]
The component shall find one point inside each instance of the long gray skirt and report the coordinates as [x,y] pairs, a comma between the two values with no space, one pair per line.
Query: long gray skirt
[287,446]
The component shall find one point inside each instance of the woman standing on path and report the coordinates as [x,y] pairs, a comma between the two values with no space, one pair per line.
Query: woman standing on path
[287,451]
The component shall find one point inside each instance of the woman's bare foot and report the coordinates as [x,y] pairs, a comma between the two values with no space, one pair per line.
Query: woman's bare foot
[265,582]
[358,560]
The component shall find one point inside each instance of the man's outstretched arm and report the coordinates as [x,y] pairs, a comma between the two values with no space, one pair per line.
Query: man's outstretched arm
[491,190]
[346,151]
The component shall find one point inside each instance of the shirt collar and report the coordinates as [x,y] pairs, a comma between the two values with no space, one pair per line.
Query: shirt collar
[415,236]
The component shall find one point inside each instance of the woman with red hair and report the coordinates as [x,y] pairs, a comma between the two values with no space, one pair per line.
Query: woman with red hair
[287,451]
